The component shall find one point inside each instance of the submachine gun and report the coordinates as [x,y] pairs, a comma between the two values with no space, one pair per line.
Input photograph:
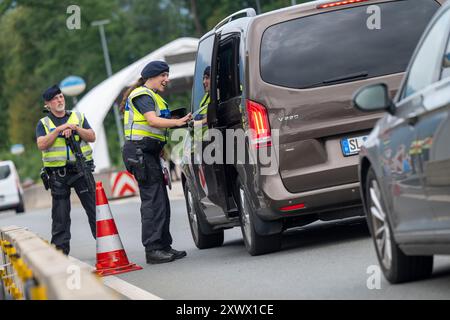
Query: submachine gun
[83,169]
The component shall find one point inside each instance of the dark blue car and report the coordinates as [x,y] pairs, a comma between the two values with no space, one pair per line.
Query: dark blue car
[405,162]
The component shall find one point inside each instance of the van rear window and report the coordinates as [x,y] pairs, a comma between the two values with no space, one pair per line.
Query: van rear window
[344,45]
[5,171]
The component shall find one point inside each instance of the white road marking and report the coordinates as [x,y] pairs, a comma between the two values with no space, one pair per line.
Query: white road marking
[124,288]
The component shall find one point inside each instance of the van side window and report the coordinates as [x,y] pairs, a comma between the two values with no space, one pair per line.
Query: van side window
[228,69]
[200,91]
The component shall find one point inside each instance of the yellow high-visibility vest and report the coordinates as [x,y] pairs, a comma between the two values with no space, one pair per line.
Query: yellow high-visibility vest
[204,103]
[416,147]
[136,126]
[59,153]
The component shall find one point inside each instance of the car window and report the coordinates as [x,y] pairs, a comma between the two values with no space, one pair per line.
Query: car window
[202,67]
[340,46]
[5,171]
[423,68]
[446,68]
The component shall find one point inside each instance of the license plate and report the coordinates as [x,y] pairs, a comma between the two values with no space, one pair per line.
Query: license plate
[351,146]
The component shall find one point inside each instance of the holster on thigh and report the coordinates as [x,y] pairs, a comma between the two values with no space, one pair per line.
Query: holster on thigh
[59,190]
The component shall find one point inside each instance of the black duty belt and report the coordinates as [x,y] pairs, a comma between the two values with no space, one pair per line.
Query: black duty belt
[148,145]
[62,171]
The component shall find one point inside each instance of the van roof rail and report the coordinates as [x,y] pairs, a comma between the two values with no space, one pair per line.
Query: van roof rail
[249,12]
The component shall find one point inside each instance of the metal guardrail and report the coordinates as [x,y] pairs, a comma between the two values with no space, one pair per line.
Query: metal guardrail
[32,269]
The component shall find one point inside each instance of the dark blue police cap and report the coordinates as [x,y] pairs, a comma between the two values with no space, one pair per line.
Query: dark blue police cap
[154,69]
[51,92]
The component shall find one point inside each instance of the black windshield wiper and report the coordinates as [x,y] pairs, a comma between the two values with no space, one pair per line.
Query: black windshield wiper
[351,76]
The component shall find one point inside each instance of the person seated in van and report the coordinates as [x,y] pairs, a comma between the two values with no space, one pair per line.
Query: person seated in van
[203,107]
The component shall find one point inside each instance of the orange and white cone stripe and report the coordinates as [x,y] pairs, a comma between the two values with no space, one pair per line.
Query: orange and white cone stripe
[111,256]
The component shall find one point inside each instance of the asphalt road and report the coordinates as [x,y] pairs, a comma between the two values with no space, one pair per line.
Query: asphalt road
[320,261]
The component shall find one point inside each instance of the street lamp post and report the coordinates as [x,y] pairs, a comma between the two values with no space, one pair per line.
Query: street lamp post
[100,24]
[258,6]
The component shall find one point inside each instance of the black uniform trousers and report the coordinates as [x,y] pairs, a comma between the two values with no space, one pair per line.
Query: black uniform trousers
[60,190]
[155,205]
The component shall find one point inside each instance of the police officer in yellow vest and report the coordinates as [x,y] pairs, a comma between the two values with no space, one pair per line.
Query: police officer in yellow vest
[59,164]
[146,119]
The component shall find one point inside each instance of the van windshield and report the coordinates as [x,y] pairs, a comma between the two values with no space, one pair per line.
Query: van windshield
[5,171]
[345,45]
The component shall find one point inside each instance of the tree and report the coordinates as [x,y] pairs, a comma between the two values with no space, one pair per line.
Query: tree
[205,14]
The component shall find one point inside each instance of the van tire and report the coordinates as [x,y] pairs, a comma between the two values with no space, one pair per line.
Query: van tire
[202,238]
[21,206]
[255,243]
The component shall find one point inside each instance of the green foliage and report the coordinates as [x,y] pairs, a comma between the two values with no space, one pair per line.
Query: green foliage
[209,13]
[28,164]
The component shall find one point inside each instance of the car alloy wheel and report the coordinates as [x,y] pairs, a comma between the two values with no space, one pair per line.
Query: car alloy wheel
[396,265]
[381,231]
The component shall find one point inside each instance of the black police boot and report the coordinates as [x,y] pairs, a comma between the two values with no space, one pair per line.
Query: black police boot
[64,251]
[158,256]
[177,254]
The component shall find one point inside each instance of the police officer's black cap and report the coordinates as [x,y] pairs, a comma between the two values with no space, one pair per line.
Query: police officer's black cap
[154,69]
[51,92]
[207,71]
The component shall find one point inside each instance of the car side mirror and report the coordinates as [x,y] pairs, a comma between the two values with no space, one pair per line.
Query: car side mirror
[374,97]
[446,62]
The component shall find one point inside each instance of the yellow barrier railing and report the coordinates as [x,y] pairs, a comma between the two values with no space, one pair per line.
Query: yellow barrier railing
[31,269]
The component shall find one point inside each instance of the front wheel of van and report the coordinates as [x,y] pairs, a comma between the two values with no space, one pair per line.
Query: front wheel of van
[254,243]
[202,239]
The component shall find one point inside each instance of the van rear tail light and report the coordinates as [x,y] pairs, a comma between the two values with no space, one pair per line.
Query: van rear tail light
[338,3]
[259,124]
[293,207]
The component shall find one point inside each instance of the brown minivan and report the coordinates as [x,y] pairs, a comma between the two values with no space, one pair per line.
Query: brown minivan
[286,79]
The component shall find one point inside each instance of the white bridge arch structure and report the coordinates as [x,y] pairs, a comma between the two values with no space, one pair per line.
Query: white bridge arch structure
[179,54]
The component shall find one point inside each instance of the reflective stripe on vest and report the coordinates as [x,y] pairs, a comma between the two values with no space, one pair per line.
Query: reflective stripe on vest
[204,103]
[59,153]
[135,124]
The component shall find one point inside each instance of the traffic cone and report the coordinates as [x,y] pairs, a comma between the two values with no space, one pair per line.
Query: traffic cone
[111,257]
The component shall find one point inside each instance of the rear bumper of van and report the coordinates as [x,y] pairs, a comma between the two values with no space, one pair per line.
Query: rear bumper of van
[279,203]
[10,201]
